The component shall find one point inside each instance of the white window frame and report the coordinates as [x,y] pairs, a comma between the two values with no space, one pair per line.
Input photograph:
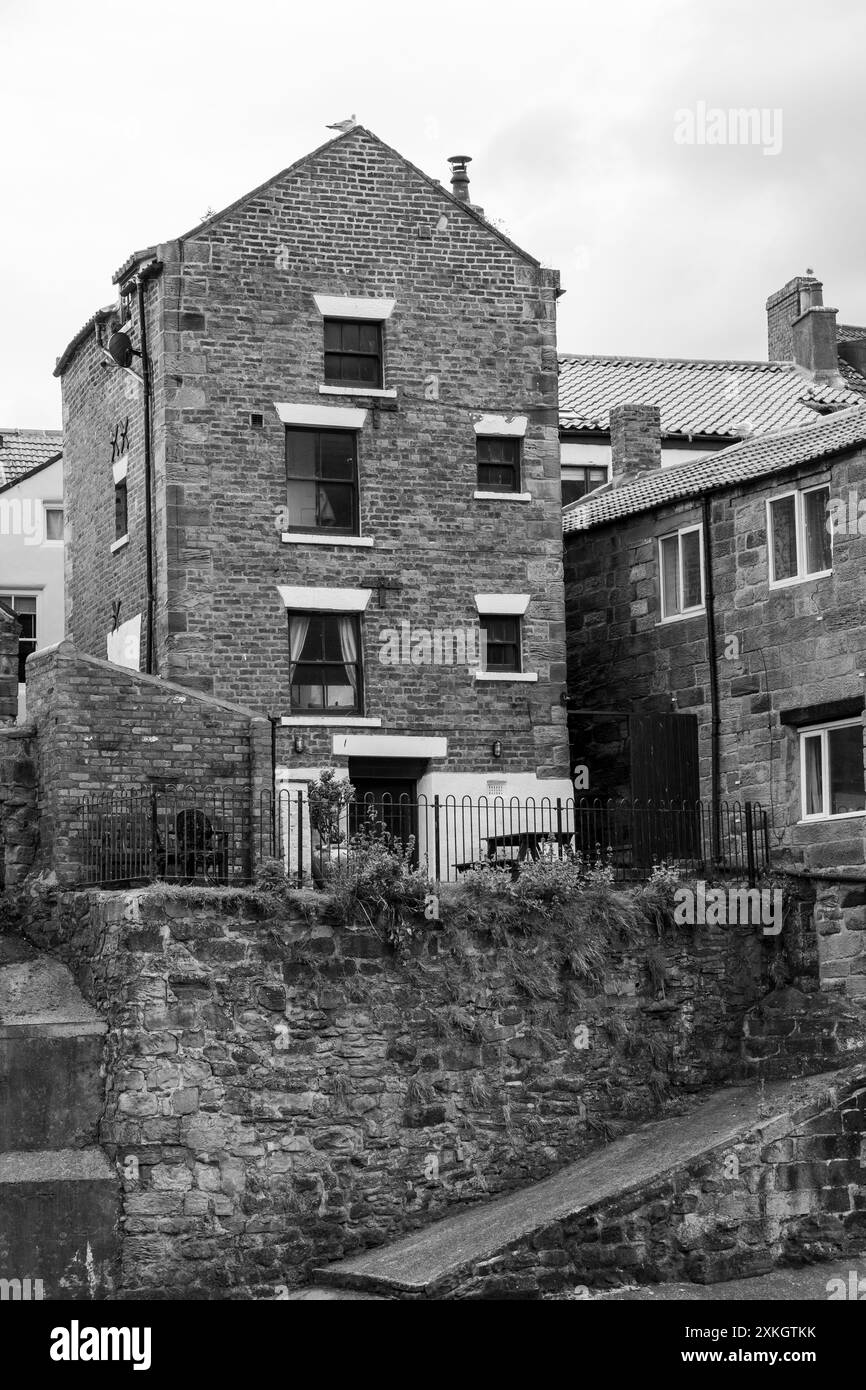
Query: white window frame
[52,507]
[811,730]
[684,612]
[36,591]
[801,577]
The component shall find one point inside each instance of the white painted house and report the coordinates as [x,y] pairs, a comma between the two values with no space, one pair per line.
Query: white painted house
[31,539]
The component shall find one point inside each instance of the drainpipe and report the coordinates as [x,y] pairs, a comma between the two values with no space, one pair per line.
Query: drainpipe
[148,469]
[273,720]
[712,662]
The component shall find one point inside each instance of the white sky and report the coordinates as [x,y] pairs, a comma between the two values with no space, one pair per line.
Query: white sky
[122,124]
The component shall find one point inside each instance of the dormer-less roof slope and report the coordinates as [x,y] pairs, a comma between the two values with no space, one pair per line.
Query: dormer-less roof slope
[755,458]
[24,451]
[359,136]
[725,399]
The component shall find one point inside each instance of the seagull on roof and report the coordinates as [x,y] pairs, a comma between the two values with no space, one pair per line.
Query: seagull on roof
[348,124]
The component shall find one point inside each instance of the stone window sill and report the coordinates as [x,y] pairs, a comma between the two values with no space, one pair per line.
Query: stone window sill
[502,496]
[506,675]
[383,393]
[682,617]
[325,721]
[798,579]
[119,543]
[316,538]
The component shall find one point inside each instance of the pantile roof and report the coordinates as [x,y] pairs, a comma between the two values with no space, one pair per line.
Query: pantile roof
[22,451]
[722,399]
[754,458]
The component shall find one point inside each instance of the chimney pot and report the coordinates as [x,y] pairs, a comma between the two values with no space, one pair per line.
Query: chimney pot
[635,442]
[460,176]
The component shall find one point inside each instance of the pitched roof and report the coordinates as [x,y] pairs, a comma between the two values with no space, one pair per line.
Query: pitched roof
[131,262]
[725,399]
[23,451]
[755,458]
[470,209]
[101,316]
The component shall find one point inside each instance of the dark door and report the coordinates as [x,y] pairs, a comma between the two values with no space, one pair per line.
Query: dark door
[387,788]
[664,757]
[664,769]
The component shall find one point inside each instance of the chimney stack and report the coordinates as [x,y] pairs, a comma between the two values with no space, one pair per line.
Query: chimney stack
[635,442]
[801,329]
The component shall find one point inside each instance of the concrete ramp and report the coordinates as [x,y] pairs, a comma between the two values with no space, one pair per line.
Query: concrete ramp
[750,1178]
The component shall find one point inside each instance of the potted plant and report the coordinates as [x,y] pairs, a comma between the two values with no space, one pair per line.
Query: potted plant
[328,798]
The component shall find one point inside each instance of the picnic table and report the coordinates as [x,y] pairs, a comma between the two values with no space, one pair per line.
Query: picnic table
[528,844]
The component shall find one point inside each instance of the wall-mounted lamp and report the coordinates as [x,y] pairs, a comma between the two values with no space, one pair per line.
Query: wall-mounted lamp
[298,745]
[496,750]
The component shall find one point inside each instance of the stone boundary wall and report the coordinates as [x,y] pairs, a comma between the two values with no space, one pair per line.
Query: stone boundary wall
[103,728]
[282,1091]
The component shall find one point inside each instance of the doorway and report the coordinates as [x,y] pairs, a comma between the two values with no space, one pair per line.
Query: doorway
[387,789]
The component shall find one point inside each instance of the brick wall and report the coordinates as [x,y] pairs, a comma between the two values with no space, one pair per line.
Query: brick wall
[19,836]
[102,729]
[779,651]
[235,330]
[282,1091]
[100,403]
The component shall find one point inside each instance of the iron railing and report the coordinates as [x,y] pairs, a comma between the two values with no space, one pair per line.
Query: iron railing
[194,834]
[185,834]
[449,834]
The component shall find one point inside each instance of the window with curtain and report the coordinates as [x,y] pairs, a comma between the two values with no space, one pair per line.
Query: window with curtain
[501,637]
[681,566]
[800,535]
[324,654]
[831,770]
[322,480]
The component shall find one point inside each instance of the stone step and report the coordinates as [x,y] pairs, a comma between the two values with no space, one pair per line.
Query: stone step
[659,1203]
[51,1088]
[58,1221]
[51,1047]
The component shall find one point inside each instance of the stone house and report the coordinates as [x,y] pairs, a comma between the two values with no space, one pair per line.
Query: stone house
[813,368]
[31,540]
[312,468]
[730,588]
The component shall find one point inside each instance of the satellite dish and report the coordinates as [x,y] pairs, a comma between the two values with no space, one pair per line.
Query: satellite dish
[121,349]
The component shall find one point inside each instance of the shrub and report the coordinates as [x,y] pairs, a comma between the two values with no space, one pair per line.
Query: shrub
[271,877]
[665,874]
[328,798]
[378,880]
